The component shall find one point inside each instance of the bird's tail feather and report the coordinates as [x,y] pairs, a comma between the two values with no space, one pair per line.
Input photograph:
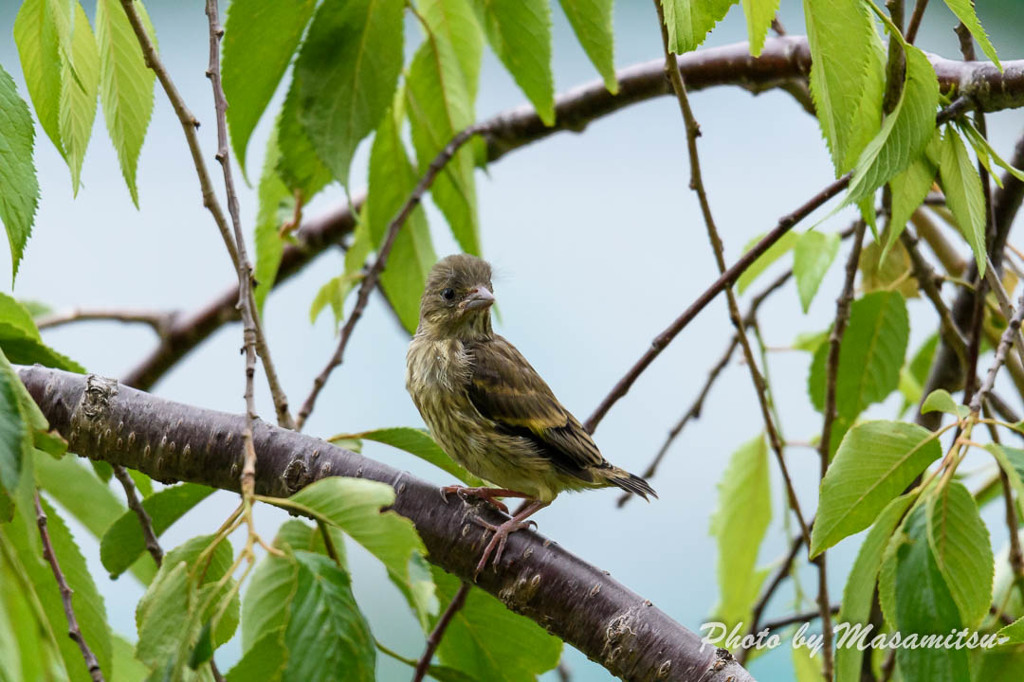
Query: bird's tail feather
[632,483]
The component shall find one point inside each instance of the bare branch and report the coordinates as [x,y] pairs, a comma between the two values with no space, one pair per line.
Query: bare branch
[434,639]
[65,595]
[835,340]
[158,320]
[152,544]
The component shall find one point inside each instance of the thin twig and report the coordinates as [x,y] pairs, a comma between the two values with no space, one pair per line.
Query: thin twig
[1016,556]
[1009,335]
[152,544]
[783,570]
[65,595]
[235,247]
[697,185]
[434,639]
[727,278]
[241,261]
[926,278]
[369,282]
[835,340]
[158,320]
[695,409]
[915,21]
[804,617]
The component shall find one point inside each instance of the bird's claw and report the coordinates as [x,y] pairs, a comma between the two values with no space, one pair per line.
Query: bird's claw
[465,493]
[496,545]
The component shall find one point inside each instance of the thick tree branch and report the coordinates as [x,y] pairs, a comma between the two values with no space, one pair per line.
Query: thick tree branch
[578,602]
[784,62]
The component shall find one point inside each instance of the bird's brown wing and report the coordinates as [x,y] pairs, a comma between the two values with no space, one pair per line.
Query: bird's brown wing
[508,391]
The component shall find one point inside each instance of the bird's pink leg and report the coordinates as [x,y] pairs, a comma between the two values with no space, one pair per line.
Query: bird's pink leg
[488,495]
[501,532]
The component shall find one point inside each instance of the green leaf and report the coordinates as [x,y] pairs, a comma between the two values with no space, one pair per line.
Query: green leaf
[126,86]
[1014,631]
[80,82]
[813,253]
[20,197]
[417,442]
[1011,461]
[591,21]
[354,506]
[760,14]
[806,668]
[327,637]
[392,179]
[182,598]
[960,545]
[167,600]
[263,33]
[20,340]
[456,22]
[740,522]
[35,34]
[860,586]
[764,261]
[519,32]
[276,205]
[268,599]
[123,542]
[488,642]
[264,661]
[964,11]
[870,355]
[876,461]
[439,107]
[925,606]
[271,591]
[689,21]
[126,666]
[299,166]
[986,152]
[847,76]
[962,187]
[905,132]
[909,189]
[15,433]
[940,400]
[346,75]
[333,293]
[75,488]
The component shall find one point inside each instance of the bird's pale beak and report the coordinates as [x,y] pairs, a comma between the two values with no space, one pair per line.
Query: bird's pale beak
[479,299]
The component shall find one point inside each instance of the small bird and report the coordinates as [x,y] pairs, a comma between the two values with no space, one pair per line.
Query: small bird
[490,410]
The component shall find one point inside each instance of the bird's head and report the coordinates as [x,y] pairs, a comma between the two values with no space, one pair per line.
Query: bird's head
[457,299]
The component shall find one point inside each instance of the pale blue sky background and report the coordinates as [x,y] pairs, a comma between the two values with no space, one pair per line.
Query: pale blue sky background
[598,244]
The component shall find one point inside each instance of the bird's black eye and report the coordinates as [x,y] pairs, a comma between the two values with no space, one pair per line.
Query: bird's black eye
[448,294]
